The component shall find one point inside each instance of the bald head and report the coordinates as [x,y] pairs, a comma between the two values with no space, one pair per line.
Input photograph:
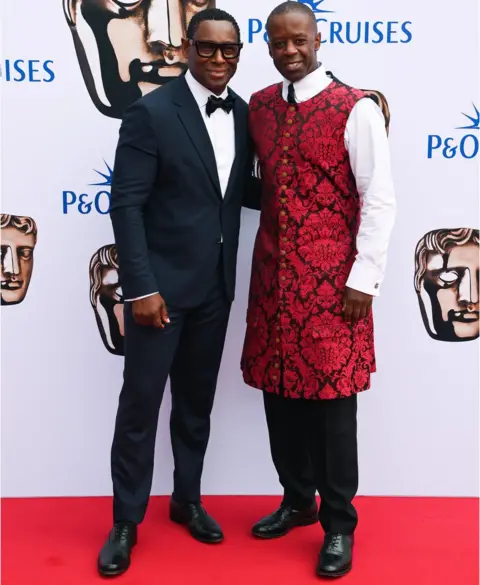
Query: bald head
[292,7]
[293,40]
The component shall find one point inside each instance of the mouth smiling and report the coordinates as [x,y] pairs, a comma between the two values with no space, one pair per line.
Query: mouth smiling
[217,72]
[293,65]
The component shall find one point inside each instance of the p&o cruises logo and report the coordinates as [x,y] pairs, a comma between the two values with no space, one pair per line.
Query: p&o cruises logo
[464,144]
[94,201]
[344,31]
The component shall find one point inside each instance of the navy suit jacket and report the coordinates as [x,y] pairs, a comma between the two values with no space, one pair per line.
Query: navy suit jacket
[167,209]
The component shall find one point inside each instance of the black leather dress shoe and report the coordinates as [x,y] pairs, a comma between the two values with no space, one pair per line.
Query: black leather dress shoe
[114,558]
[335,558]
[283,520]
[194,516]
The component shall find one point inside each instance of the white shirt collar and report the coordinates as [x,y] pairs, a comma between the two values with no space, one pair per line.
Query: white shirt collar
[201,93]
[309,86]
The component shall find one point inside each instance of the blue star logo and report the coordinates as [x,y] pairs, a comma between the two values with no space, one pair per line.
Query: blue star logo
[474,120]
[107,177]
[314,5]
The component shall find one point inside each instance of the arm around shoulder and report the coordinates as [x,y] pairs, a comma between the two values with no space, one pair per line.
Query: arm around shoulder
[253,190]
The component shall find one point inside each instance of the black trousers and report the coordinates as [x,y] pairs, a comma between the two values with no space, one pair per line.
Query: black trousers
[314,448]
[189,349]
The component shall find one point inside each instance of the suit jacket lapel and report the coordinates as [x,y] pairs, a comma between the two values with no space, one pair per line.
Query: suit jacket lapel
[192,120]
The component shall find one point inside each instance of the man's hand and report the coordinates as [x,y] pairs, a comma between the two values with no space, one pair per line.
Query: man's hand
[356,305]
[150,311]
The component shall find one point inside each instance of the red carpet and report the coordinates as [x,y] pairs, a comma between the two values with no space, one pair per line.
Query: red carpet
[399,542]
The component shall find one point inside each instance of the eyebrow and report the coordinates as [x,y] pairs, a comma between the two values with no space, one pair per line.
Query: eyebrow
[215,42]
[295,36]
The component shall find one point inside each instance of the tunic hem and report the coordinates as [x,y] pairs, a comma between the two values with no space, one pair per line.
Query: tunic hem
[295,396]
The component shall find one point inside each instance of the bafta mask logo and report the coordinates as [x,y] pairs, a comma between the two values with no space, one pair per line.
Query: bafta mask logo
[106,298]
[19,237]
[126,48]
[447,283]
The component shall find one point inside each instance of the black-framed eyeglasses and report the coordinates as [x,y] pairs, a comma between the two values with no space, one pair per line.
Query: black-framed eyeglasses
[207,50]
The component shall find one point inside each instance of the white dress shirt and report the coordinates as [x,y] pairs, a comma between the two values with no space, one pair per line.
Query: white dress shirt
[367,145]
[221,129]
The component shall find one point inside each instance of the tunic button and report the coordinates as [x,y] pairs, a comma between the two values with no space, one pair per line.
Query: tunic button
[282,212]
[284,174]
[283,253]
[291,108]
[277,352]
[274,378]
[283,187]
[283,226]
[277,366]
[278,340]
[283,265]
[285,148]
[283,200]
[278,327]
[290,121]
[287,134]
[284,239]
[285,161]
[282,278]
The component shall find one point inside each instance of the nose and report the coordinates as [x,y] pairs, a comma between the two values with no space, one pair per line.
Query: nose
[218,57]
[290,49]
[10,264]
[165,22]
[468,288]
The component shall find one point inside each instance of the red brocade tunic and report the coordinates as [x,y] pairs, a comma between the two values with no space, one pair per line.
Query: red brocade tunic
[297,342]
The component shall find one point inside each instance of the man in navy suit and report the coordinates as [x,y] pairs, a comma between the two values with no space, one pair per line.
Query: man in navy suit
[183,170]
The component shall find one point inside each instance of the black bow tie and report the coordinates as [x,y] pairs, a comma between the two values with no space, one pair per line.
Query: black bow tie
[214,103]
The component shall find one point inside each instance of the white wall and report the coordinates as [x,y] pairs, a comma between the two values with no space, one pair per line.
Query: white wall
[418,424]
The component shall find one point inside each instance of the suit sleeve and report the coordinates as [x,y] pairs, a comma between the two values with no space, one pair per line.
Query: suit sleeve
[253,191]
[134,176]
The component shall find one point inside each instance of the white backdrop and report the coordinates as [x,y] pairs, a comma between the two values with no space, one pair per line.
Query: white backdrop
[418,424]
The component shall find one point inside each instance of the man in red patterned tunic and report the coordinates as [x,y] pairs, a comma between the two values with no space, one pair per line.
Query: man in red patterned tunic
[327,212]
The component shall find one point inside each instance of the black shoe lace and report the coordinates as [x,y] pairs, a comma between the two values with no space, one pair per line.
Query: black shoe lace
[335,545]
[122,532]
[282,513]
[197,510]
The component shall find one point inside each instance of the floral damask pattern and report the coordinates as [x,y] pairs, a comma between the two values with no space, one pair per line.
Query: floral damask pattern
[297,341]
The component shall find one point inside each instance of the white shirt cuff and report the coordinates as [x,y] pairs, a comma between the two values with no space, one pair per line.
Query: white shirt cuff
[138,298]
[365,278]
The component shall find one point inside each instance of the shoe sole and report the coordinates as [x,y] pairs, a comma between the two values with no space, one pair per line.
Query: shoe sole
[333,575]
[301,524]
[110,574]
[181,522]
